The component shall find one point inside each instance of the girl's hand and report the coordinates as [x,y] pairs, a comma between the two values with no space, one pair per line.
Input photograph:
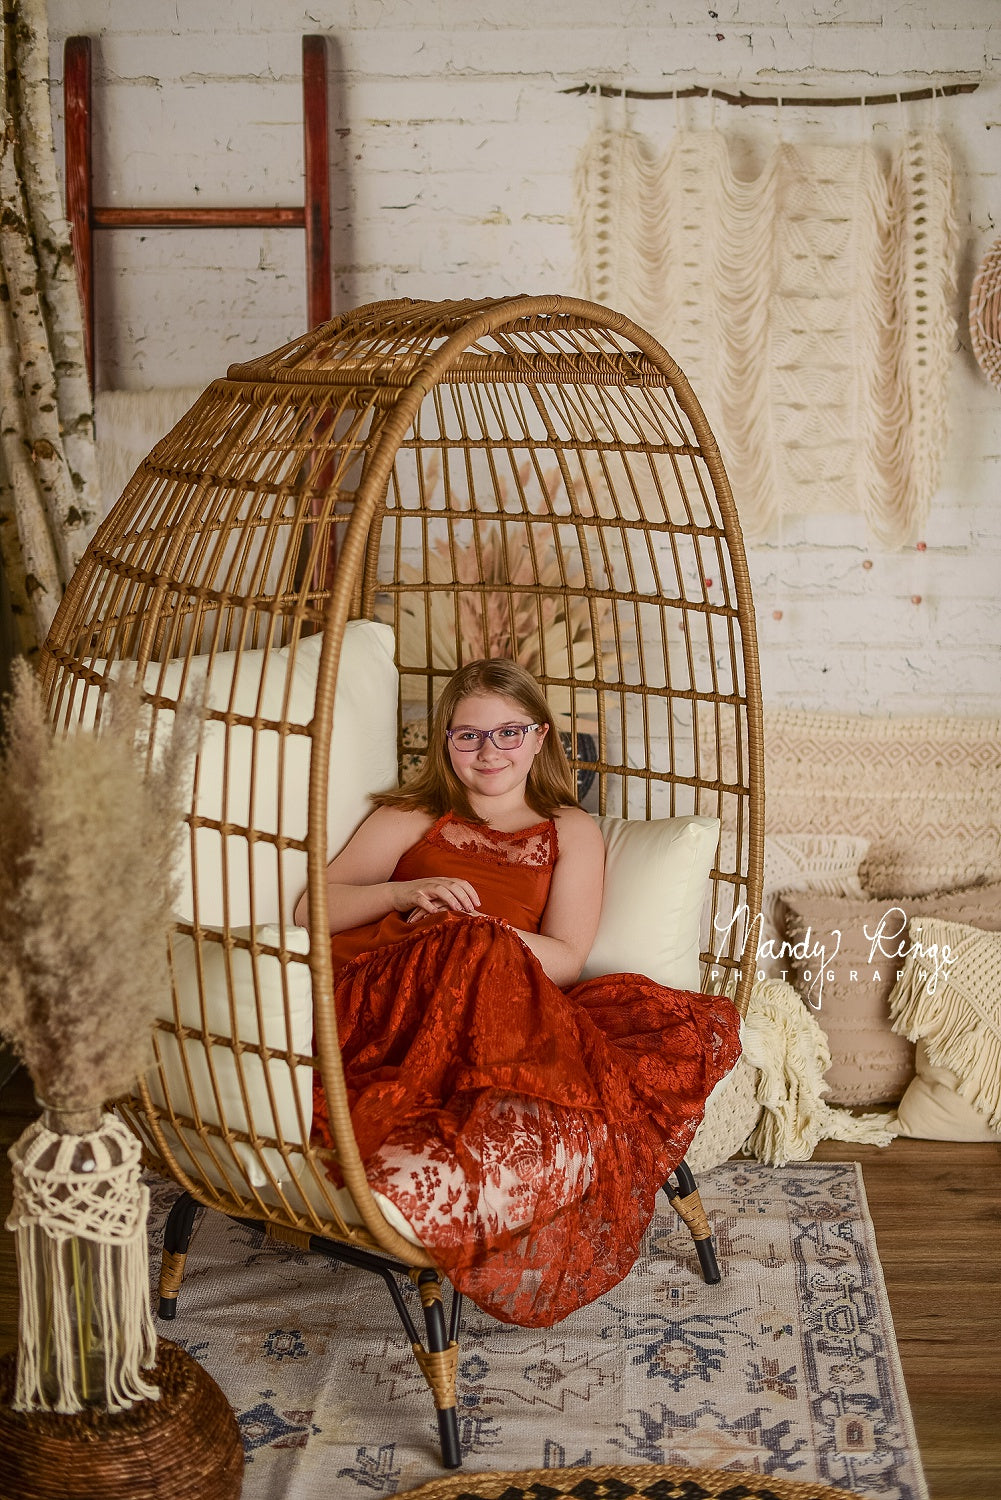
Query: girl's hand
[434,893]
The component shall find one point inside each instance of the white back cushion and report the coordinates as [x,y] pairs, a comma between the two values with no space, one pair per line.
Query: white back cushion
[257,777]
[260,778]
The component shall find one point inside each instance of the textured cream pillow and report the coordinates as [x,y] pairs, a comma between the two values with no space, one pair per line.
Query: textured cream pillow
[239,1090]
[925,792]
[949,996]
[933,1109]
[656,875]
[732,1112]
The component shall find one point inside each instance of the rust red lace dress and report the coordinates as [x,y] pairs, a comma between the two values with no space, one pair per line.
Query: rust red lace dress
[522,1130]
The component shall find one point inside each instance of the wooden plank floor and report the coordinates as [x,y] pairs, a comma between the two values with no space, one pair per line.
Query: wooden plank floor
[936,1207]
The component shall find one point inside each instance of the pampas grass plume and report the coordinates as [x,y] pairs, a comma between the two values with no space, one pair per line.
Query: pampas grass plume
[90,825]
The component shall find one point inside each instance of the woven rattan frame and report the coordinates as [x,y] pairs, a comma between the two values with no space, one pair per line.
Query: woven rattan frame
[529,476]
[985,314]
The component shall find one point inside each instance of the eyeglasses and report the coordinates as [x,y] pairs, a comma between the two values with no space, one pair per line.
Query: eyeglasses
[507,737]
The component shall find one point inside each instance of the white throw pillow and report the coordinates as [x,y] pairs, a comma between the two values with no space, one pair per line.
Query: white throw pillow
[240,769]
[656,873]
[238,1089]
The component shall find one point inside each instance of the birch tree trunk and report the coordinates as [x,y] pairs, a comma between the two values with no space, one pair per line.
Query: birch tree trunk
[42,420]
[29,556]
[61,308]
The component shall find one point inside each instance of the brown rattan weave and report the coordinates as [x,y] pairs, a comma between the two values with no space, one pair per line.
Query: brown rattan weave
[186,1446]
[530,477]
[624,1482]
[985,314]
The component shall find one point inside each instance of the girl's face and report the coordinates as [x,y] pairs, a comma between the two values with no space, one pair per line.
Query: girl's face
[493,767]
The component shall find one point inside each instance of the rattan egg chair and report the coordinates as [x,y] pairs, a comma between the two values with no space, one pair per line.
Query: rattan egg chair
[308,555]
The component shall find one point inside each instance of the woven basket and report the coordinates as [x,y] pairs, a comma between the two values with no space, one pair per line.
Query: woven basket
[186,1446]
[985,315]
[624,1482]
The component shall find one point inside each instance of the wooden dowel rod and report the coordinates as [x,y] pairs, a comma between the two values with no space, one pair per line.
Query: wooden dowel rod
[699,91]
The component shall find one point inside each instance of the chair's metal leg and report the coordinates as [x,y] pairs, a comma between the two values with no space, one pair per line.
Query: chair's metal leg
[685,1201]
[439,1363]
[176,1239]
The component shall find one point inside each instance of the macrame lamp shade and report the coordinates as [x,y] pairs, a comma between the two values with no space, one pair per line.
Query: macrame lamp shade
[985,315]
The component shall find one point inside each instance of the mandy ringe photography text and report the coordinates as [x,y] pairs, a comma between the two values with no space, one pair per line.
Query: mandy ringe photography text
[889,943]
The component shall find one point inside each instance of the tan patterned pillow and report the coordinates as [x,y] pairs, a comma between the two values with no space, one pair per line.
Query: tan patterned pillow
[844,957]
[925,792]
[825,863]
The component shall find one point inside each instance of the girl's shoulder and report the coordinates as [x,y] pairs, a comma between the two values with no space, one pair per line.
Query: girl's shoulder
[577,832]
[391,818]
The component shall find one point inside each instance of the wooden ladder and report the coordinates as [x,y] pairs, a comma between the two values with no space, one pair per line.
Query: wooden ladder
[85,217]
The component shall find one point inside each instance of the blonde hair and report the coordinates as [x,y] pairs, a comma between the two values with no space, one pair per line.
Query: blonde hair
[436,789]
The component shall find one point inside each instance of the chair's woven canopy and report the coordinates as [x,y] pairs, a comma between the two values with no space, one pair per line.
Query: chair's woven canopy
[529,477]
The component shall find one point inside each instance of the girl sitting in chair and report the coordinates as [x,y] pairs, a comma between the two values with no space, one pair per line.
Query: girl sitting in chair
[520,1121]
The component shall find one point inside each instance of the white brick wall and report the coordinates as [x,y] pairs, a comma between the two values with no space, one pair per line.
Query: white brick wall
[453,155]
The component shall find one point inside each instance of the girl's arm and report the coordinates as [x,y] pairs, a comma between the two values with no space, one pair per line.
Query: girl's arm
[570,919]
[359,888]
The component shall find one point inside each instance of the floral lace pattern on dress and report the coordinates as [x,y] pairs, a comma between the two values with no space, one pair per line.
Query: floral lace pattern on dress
[522,1130]
[535,846]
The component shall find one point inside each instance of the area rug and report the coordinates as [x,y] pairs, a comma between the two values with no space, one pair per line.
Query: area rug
[788,1368]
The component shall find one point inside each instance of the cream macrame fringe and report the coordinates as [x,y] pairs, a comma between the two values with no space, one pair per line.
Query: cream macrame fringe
[785,1042]
[128,425]
[105,1211]
[810,306]
[955,1009]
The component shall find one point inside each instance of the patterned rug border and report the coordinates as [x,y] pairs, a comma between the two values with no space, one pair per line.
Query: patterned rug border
[623,1482]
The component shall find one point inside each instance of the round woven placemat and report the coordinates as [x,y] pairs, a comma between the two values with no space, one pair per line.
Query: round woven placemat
[615,1482]
[186,1446]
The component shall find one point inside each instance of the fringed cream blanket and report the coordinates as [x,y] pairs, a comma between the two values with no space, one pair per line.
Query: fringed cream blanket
[783,1040]
[809,306]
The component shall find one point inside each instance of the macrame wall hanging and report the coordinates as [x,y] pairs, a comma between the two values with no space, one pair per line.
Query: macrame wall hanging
[810,306]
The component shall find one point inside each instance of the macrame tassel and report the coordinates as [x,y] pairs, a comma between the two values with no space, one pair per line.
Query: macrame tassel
[786,1043]
[79,1220]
